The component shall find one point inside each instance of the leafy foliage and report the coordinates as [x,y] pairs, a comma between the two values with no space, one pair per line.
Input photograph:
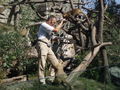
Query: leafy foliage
[12,48]
[27,16]
[112,32]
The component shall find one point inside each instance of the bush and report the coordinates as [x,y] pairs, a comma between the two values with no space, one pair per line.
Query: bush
[12,49]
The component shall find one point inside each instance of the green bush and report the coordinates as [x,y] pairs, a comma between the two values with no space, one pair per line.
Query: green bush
[12,48]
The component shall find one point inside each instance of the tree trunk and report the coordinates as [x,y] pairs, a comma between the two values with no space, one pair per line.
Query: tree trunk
[100,30]
[107,78]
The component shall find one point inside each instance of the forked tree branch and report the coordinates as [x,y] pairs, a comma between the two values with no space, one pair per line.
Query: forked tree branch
[85,63]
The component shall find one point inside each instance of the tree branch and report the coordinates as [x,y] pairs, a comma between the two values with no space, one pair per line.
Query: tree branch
[84,64]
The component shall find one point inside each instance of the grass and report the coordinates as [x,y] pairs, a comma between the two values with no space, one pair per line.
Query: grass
[80,84]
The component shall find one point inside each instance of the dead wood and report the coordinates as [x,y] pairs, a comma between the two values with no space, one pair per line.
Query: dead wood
[93,35]
[85,63]
[14,79]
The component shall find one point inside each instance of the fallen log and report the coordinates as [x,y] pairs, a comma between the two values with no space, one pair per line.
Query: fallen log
[14,79]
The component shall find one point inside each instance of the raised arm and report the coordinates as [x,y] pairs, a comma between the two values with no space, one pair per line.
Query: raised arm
[59,26]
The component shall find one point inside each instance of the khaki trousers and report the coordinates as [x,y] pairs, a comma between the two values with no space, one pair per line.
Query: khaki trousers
[45,53]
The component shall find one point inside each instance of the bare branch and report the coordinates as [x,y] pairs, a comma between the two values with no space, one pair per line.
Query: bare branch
[14,79]
[84,64]
[71,3]
[93,35]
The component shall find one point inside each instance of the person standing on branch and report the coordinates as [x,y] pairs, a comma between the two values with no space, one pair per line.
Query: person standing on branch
[44,45]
